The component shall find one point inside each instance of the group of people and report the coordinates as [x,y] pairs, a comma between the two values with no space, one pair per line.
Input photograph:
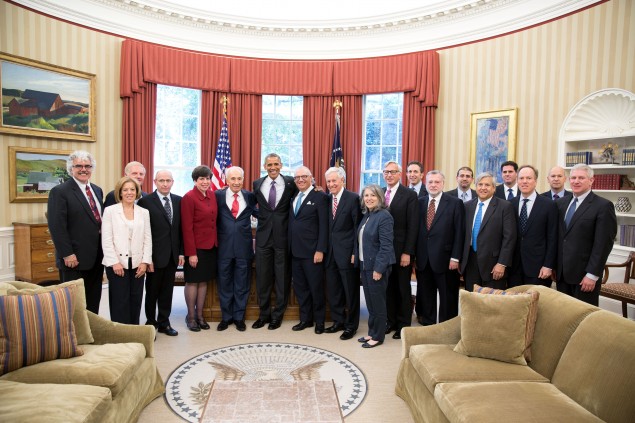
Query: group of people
[326,242]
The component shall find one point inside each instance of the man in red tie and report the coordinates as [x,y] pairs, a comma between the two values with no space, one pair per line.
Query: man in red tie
[235,248]
[74,217]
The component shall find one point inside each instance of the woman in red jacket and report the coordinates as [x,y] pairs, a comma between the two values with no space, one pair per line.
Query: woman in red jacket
[198,223]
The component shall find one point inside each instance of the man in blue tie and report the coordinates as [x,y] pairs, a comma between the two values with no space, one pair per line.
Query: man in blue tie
[490,237]
[509,188]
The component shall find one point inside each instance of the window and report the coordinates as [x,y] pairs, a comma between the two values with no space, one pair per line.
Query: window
[177,142]
[383,117]
[282,130]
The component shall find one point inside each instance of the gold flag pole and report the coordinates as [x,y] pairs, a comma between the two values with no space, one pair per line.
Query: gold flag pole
[224,100]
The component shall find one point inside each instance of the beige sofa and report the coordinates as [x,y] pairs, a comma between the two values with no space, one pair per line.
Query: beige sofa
[582,370]
[112,381]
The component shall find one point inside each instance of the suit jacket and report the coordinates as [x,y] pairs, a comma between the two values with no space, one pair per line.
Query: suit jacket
[548,194]
[455,193]
[538,245]
[166,236]
[404,209]
[496,238]
[444,240]
[116,242]
[110,198]
[422,192]
[343,228]
[234,234]
[73,226]
[274,222]
[585,245]
[501,192]
[309,229]
[377,244]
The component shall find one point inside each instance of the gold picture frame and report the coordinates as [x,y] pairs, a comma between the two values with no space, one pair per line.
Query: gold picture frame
[43,100]
[33,172]
[492,140]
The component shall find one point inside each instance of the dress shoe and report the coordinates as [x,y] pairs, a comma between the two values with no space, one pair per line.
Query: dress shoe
[420,321]
[222,325]
[347,334]
[363,339]
[275,324]
[302,326]
[192,325]
[240,325]
[259,323]
[202,323]
[335,328]
[367,345]
[390,328]
[168,330]
[397,334]
[319,328]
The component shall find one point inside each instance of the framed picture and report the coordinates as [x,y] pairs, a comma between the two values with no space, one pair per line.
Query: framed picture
[492,140]
[44,100]
[33,172]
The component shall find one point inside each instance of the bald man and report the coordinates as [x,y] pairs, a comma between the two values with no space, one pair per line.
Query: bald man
[556,179]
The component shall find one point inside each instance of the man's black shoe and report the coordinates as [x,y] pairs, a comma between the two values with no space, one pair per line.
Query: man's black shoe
[259,323]
[168,330]
[240,325]
[336,327]
[302,326]
[275,324]
[347,334]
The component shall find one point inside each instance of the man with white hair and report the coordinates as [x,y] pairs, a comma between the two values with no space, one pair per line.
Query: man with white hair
[136,171]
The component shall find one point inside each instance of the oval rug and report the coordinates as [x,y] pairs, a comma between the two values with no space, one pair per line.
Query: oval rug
[187,388]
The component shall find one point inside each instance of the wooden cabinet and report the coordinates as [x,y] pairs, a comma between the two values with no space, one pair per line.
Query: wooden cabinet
[34,253]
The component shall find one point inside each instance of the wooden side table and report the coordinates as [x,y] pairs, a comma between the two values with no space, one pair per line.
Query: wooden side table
[34,253]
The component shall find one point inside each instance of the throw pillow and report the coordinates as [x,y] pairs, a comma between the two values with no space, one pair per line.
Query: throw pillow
[80,316]
[533,312]
[493,326]
[36,328]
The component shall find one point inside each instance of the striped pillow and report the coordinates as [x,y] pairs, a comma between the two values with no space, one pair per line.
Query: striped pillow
[37,328]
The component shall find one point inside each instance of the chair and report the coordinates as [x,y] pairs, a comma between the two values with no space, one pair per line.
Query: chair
[624,292]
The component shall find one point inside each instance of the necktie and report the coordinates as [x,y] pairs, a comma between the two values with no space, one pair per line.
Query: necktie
[570,212]
[556,196]
[388,197]
[413,188]
[334,206]
[510,194]
[168,209]
[430,216]
[463,196]
[272,195]
[93,205]
[235,206]
[298,203]
[477,225]
[523,216]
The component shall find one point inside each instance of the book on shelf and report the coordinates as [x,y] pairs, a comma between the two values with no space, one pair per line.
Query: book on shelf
[628,157]
[573,158]
[608,181]
[627,235]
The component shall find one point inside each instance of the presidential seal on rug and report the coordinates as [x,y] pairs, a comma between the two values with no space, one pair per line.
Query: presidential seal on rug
[188,386]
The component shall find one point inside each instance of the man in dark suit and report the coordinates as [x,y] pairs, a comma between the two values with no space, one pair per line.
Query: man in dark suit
[490,237]
[136,171]
[509,188]
[235,248]
[556,179]
[587,229]
[167,251]
[537,243]
[342,278]
[74,217]
[464,179]
[308,240]
[404,208]
[414,172]
[273,194]
[439,249]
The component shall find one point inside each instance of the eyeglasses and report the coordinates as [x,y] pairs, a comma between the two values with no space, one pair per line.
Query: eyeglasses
[303,177]
[164,181]
[80,167]
[391,172]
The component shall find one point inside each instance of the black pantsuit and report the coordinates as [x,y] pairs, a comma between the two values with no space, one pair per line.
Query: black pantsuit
[159,290]
[375,295]
[342,287]
[125,295]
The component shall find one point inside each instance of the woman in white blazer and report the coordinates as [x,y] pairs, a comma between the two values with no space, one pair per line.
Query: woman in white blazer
[127,243]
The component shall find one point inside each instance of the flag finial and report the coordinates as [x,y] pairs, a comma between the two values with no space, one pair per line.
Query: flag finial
[337,104]
[224,100]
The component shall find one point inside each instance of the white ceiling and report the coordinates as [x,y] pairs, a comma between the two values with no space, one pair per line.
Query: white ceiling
[301,29]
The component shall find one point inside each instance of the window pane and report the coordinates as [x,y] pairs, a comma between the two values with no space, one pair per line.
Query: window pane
[282,130]
[373,134]
[373,159]
[389,133]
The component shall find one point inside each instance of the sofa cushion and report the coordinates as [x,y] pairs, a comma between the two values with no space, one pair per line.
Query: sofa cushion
[80,317]
[36,328]
[494,326]
[598,365]
[109,365]
[515,402]
[4,287]
[48,403]
[439,363]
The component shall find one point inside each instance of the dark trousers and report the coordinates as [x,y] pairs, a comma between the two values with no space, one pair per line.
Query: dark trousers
[272,274]
[124,296]
[93,282]
[573,290]
[473,275]
[308,285]
[234,278]
[375,295]
[399,297]
[342,293]
[428,282]
[159,290]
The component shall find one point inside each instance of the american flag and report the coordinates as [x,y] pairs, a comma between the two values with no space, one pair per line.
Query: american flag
[223,159]
[337,158]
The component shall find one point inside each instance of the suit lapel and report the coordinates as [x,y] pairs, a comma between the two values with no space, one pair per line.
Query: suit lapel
[580,210]
[159,203]
[490,211]
[83,200]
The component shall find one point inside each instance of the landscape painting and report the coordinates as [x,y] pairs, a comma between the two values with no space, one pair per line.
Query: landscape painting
[492,140]
[44,100]
[33,172]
